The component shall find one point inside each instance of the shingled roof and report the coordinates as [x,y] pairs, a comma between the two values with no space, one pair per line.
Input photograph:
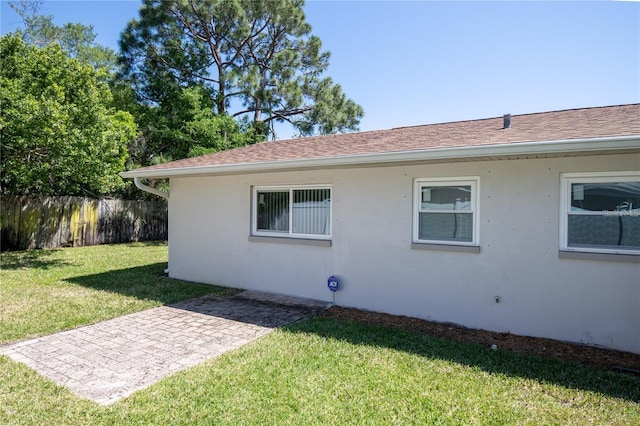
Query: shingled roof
[556,127]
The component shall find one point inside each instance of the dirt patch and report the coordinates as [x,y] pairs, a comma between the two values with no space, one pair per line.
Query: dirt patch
[603,358]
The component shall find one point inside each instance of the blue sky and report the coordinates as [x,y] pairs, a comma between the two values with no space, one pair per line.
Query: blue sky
[420,62]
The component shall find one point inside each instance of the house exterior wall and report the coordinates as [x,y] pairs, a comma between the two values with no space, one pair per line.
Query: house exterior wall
[594,301]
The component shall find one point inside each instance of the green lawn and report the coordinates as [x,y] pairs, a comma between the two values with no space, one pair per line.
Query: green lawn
[320,371]
[44,291]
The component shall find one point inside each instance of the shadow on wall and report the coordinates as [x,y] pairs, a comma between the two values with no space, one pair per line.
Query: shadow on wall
[546,370]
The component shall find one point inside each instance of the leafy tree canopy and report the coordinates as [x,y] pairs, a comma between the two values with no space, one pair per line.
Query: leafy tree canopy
[183,125]
[255,60]
[76,39]
[59,132]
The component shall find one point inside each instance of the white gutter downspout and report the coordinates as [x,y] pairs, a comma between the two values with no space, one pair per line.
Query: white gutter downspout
[146,188]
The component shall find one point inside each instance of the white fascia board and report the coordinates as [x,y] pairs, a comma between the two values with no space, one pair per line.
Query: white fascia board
[454,153]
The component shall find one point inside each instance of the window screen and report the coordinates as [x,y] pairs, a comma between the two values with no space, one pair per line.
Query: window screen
[293,211]
[604,214]
[446,211]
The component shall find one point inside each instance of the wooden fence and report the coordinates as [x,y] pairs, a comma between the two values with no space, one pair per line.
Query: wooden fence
[49,222]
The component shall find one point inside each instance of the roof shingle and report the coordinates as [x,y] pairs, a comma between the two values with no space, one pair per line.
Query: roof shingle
[586,123]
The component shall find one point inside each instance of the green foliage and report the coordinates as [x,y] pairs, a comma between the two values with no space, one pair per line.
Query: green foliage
[255,60]
[77,40]
[59,132]
[183,125]
[199,77]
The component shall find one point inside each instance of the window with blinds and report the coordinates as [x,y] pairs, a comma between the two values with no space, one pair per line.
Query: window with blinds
[292,211]
[446,211]
[600,212]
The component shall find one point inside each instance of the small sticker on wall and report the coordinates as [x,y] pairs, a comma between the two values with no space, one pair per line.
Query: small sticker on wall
[332,283]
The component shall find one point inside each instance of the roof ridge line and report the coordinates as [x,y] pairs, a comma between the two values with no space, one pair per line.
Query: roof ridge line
[513,115]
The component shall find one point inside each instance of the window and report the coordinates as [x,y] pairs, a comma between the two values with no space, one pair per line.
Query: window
[445,211]
[600,212]
[299,211]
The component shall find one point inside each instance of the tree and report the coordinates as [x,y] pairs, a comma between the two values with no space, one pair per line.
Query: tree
[77,40]
[257,60]
[59,131]
[183,125]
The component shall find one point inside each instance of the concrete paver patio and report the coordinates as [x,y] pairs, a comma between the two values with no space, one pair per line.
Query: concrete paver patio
[110,360]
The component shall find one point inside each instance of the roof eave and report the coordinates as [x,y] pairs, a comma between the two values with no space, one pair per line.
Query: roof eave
[591,145]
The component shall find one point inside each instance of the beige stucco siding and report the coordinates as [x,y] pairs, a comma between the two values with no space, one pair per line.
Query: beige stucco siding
[590,301]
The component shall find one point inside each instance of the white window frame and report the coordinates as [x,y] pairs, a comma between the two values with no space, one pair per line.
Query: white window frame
[287,234]
[473,182]
[566,180]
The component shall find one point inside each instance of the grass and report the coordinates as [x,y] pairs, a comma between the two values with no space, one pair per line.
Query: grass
[45,291]
[325,371]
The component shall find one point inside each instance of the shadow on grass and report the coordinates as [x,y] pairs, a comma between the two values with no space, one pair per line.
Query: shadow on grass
[44,258]
[150,283]
[546,370]
[32,259]
[146,282]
